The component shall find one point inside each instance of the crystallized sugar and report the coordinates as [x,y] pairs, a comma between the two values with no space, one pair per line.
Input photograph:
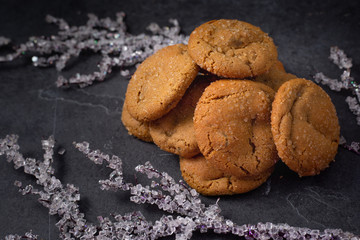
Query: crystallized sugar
[164,192]
[107,37]
[347,82]
[353,146]
[339,58]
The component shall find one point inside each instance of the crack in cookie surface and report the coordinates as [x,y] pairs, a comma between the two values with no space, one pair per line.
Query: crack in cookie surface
[305,126]
[226,48]
[224,120]
[207,180]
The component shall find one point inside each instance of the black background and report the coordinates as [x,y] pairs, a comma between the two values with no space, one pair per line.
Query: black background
[32,107]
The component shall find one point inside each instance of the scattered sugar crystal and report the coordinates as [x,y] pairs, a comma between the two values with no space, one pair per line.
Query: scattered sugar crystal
[354,107]
[61,151]
[334,84]
[339,57]
[125,73]
[4,41]
[347,82]
[102,36]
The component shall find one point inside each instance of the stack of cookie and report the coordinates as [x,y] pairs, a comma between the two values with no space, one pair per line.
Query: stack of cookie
[227,107]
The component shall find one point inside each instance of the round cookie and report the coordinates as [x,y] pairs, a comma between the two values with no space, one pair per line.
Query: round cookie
[232,48]
[275,77]
[174,132]
[232,127]
[209,180]
[305,127]
[160,82]
[135,127]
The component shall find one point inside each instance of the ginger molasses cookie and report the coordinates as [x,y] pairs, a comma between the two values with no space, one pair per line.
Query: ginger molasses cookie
[232,48]
[160,82]
[305,126]
[135,127]
[275,76]
[209,180]
[174,132]
[232,127]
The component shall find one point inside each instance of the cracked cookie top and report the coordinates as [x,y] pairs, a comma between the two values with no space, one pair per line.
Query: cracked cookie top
[174,132]
[232,127]
[232,48]
[305,126]
[160,82]
[209,180]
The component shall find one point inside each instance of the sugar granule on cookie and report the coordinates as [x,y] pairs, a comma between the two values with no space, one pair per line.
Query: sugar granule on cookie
[232,48]
[305,127]
[160,82]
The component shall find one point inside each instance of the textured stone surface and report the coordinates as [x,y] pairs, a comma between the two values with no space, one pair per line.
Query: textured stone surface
[33,107]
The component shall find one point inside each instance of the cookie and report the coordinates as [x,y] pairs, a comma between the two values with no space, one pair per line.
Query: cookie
[160,82]
[305,127]
[174,132]
[275,77]
[232,48]
[135,127]
[206,179]
[232,127]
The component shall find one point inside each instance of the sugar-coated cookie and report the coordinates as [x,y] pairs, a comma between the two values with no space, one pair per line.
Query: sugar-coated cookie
[275,76]
[305,126]
[160,82]
[135,127]
[232,48]
[232,127]
[209,180]
[174,132]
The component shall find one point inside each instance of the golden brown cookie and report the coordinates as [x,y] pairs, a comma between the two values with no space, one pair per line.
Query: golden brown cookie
[209,180]
[232,48]
[135,127]
[278,65]
[160,82]
[232,127]
[305,126]
[275,76]
[174,132]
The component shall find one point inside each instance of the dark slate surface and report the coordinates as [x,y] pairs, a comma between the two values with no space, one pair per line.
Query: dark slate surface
[34,108]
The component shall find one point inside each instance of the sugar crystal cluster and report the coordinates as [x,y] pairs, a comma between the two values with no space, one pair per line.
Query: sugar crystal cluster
[109,38]
[339,58]
[168,195]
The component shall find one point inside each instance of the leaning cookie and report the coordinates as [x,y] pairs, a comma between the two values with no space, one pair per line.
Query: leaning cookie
[174,132]
[160,82]
[275,76]
[135,127]
[232,48]
[232,127]
[206,179]
[305,127]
